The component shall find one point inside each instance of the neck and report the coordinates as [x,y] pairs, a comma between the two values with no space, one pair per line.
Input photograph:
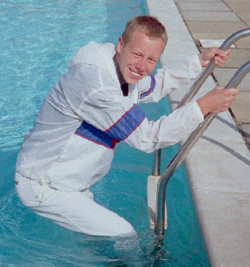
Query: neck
[119,74]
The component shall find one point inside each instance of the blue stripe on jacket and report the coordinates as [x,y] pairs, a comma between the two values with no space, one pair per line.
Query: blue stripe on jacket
[117,132]
[95,135]
[151,88]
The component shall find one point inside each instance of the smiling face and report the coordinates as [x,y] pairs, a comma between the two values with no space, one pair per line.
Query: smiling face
[138,57]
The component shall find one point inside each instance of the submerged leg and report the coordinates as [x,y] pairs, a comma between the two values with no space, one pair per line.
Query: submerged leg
[75,211]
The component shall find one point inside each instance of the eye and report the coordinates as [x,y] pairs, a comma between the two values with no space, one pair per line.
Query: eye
[152,60]
[136,54]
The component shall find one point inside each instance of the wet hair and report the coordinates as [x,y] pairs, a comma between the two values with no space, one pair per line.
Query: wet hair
[149,25]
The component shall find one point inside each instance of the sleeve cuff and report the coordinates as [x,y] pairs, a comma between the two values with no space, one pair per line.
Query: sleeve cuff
[198,111]
[197,65]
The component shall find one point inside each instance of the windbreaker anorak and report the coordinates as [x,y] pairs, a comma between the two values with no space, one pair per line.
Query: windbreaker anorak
[85,115]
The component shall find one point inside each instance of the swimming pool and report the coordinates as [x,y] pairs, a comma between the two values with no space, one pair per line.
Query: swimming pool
[37,40]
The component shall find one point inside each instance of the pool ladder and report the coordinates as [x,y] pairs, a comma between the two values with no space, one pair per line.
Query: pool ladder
[156,183]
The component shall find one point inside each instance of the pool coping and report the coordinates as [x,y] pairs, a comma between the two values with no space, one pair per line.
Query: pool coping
[221,192]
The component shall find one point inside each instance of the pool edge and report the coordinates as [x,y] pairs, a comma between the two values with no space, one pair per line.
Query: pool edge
[220,191]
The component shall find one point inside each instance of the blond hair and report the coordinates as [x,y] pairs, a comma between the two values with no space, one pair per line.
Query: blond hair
[149,25]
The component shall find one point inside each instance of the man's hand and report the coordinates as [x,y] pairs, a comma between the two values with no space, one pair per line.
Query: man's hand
[217,100]
[218,55]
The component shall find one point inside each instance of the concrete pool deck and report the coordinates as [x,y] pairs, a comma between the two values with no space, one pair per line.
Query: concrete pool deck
[218,166]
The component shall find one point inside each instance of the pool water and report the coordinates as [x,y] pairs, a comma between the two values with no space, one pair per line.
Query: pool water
[37,40]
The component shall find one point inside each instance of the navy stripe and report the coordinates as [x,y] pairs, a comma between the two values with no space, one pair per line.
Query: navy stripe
[118,132]
[127,123]
[152,87]
[95,135]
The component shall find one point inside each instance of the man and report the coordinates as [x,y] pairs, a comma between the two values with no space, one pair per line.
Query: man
[91,108]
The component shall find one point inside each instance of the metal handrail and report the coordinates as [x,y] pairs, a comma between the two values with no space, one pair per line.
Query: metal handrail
[180,156]
[210,67]
[198,83]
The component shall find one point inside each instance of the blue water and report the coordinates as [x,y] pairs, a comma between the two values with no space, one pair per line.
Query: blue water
[37,40]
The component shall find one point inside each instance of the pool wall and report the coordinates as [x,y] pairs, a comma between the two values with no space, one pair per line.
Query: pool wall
[219,164]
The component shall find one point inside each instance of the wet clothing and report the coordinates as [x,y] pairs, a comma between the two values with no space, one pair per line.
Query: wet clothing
[75,210]
[89,111]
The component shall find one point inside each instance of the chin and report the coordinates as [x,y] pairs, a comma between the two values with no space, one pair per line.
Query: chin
[130,81]
[133,80]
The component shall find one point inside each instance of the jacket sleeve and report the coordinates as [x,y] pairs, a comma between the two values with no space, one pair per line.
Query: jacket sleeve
[166,131]
[123,120]
[171,77]
[108,114]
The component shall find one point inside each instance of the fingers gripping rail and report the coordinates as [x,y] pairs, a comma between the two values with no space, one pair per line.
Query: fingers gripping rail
[159,215]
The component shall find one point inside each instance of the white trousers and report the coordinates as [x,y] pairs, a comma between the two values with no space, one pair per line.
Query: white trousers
[75,211]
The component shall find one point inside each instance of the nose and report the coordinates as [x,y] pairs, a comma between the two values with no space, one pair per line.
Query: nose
[141,65]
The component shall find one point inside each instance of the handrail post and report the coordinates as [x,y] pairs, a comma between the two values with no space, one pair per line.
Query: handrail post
[190,142]
[157,162]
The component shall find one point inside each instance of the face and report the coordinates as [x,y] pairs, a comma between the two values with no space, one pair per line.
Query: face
[139,56]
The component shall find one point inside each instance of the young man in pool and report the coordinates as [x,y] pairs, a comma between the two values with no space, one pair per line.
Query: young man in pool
[91,108]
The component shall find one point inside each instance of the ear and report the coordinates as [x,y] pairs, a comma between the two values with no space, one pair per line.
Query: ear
[119,45]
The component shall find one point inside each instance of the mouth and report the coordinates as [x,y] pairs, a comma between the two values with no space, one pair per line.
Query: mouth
[136,74]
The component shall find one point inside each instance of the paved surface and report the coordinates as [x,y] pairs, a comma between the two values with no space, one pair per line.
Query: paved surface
[218,165]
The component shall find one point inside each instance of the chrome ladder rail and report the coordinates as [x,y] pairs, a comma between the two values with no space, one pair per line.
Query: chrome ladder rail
[190,142]
[193,138]
[210,67]
[198,83]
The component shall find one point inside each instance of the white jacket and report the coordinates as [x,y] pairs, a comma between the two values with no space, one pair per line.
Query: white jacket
[85,115]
